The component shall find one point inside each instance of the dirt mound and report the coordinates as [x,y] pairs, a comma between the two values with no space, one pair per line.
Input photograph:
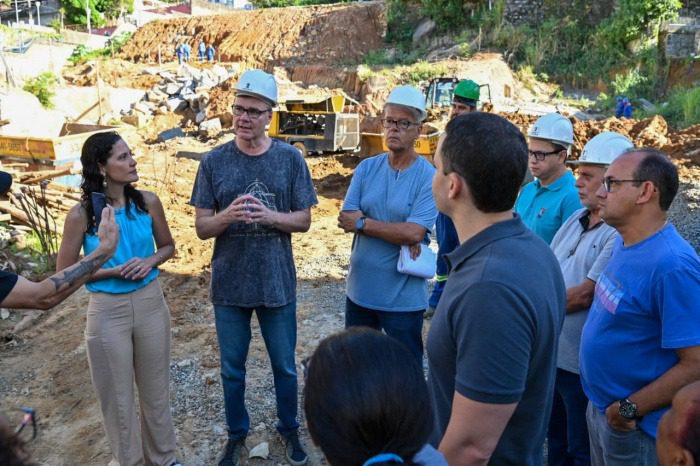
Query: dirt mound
[319,35]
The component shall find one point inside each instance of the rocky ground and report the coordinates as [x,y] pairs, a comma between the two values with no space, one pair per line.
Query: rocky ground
[44,364]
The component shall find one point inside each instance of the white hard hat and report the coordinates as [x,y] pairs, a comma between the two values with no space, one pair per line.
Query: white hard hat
[258,84]
[553,127]
[603,149]
[408,96]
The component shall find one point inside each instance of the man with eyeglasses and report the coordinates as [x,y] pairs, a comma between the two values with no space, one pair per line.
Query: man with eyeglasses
[641,341]
[545,203]
[582,246]
[389,204]
[492,343]
[251,194]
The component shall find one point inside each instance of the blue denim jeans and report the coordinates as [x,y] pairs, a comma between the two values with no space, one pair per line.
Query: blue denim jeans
[279,330]
[610,447]
[407,327]
[567,437]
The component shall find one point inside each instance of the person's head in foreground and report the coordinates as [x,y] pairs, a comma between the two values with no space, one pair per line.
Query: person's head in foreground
[366,400]
[678,435]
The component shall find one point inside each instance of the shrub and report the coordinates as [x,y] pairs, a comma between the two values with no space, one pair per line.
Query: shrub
[683,107]
[43,88]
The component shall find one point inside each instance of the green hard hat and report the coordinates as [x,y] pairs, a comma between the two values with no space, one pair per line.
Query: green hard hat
[467,90]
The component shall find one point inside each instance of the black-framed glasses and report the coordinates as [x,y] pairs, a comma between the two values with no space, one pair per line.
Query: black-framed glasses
[28,419]
[253,113]
[398,124]
[540,156]
[609,182]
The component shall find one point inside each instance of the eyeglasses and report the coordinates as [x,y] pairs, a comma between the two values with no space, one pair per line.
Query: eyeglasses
[398,124]
[253,113]
[540,156]
[609,182]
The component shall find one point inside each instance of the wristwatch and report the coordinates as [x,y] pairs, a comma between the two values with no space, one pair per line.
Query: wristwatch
[628,409]
[360,224]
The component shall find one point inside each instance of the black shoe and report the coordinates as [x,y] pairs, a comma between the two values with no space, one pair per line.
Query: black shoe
[231,454]
[295,453]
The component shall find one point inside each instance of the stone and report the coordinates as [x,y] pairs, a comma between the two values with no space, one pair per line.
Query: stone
[136,119]
[261,450]
[424,28]
[142,107]
[173,89]
[175,104]
[171,133]
[210,127]
[200,117]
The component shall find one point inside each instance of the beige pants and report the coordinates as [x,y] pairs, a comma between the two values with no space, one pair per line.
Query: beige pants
[128,338]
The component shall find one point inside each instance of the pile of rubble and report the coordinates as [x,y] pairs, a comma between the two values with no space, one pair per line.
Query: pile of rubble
[187,89]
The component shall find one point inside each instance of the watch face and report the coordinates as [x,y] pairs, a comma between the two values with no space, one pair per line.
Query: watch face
[360,223]
[628,409]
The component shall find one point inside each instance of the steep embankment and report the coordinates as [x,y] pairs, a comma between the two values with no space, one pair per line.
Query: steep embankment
[319,35]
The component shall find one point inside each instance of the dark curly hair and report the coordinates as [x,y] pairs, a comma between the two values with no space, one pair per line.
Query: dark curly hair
[96,150]
[12,452]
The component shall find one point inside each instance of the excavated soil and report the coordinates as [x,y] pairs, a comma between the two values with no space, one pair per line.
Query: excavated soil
[265,38]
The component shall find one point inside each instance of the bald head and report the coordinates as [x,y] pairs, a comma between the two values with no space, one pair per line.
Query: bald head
[653,165]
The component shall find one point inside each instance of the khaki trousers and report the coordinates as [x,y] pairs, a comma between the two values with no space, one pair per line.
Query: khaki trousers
[128,338]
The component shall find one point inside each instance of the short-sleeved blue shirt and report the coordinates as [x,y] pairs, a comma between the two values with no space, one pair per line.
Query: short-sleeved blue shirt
[545,208]
[645,308]
[386,195]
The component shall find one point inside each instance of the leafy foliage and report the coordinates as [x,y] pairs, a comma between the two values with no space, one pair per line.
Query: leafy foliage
[82,53]
[99,10]
[43,88]
[683,107]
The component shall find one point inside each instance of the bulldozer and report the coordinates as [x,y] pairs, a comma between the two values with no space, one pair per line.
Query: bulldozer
[316,125]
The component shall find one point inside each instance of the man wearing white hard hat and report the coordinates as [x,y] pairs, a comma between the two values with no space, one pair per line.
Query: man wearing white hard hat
[550,199]
[250,195]
[388,205]
[582,246]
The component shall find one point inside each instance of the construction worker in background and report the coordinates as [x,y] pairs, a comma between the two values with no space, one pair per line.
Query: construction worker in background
[547,202]
[187,50]
[582,247]
[210,53]
[180,52]
[626,108]
[619,106]
[465,100]
[201,50]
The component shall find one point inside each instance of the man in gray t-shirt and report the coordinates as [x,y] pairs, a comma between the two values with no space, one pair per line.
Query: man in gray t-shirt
[582,246]
[250,195]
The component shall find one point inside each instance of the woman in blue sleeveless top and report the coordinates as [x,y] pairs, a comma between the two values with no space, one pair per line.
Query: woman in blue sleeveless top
[128,321]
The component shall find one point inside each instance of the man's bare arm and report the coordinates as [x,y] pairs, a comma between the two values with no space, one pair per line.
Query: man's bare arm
[660,392]
[580,297]
[474,430]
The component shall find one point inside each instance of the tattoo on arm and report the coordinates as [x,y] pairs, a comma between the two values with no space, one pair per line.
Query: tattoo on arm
[83,268]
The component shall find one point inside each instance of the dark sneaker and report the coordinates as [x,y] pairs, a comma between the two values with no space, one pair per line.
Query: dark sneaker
[231,454]
[295,453]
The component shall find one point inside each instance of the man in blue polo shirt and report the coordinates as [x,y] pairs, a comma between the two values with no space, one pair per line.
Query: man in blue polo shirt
[548,201]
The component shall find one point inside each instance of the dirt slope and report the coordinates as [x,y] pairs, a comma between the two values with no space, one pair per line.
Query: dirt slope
[269,37]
